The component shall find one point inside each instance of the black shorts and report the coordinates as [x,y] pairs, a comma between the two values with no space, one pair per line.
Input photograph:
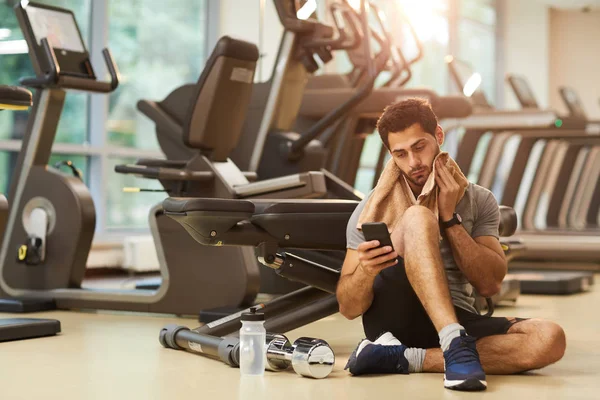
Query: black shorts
[397,309]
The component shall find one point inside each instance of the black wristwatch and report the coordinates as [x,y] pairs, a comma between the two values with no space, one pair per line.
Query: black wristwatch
[456,220]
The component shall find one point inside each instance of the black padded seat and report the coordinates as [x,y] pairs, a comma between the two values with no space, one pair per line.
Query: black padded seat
[203,115]
[27,328]
[229,47]
[14,96]
[310,206]
[183,205]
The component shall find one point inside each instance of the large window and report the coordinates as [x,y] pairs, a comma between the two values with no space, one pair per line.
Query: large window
[156,52]
[157,47]
[477,41]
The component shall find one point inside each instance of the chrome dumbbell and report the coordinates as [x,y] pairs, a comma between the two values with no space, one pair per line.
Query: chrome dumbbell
[309,357]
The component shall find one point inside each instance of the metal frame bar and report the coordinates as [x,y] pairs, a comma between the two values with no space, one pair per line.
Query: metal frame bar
[98,114]
[500,55]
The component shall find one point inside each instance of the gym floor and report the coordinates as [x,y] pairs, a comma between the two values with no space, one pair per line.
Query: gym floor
[109,355]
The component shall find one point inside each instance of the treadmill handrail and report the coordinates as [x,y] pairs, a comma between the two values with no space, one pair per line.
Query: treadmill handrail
[172,174]
[351,41]
[331,42]
[290,22]
[396,56]
[519,119]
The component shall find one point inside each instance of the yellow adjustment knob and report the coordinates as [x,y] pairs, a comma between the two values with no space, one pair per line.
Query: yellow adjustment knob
[22,252]
[505,247]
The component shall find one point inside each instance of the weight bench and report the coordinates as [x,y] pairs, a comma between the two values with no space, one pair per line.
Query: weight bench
[275,228]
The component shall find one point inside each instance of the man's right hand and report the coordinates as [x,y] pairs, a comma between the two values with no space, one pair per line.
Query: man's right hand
[373,259]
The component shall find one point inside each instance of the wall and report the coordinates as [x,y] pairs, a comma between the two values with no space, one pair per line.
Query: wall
[574,58]
[525,49]
[241,19]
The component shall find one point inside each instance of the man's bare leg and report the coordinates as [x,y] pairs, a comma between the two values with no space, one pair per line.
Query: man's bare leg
[538,344]
[416,239]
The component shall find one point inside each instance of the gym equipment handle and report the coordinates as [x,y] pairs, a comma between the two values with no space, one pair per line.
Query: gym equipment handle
[3,215]
[53,77]
[399,62]
[352,41]
[287,16]
[172,174]
[342,41]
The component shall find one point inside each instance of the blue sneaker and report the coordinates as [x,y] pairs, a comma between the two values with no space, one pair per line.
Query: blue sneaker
[372,358]
[463,368]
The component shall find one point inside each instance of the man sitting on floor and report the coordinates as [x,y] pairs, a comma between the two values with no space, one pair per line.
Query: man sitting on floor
[417,298]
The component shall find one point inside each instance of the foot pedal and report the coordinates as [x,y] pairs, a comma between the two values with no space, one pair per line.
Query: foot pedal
[553,282]
[27,328]
[149,284]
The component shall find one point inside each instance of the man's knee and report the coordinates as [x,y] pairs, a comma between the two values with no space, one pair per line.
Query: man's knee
[415,222]
[547,342]
[417,218]
[556,342]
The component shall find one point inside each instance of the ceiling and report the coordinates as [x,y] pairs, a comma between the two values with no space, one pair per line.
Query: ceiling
[572,4]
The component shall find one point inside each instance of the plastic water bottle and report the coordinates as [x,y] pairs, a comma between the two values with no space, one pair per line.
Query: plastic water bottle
[252,343]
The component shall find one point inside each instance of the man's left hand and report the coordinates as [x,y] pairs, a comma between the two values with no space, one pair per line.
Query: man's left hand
[449,191]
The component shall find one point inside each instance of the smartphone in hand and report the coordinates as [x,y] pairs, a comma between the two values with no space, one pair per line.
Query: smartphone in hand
[377,231]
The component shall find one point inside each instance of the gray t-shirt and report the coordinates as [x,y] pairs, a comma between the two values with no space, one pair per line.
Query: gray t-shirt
[480,217]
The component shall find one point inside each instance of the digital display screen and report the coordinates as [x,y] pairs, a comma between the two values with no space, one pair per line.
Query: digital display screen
[59,28]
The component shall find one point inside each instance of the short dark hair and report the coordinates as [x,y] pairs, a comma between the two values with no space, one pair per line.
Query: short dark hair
[403,114]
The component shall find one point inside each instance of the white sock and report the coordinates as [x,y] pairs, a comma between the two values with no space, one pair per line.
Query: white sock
[416,358]
[449,333]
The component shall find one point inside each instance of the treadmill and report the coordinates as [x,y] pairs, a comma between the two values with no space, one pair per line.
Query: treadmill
[16,98]
[542,196]
[534,124]
[486,120]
